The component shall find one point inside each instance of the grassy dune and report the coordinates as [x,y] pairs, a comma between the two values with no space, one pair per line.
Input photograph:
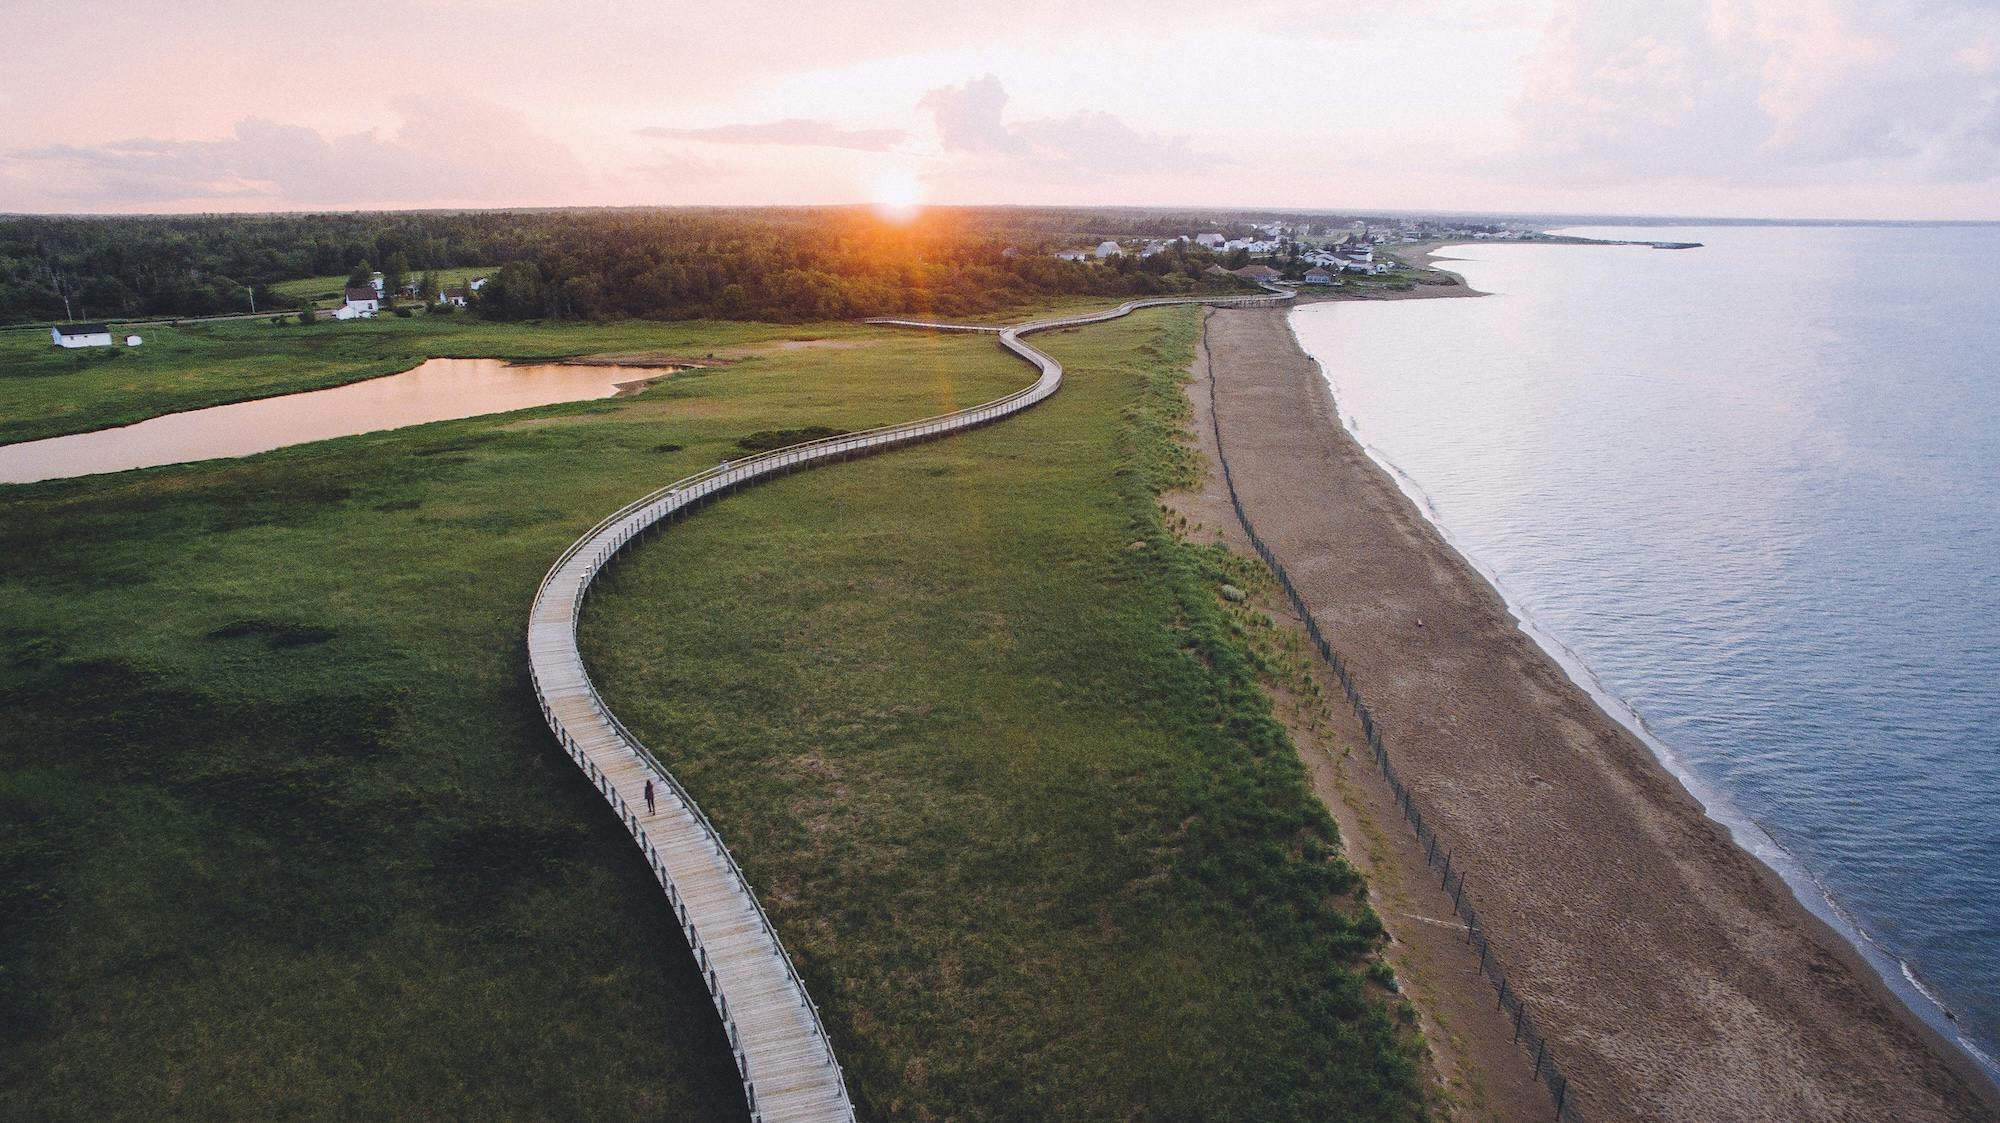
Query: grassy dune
[981,730]
[281,833]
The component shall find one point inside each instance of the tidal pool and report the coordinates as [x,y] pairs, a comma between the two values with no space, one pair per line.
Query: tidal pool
[436,390]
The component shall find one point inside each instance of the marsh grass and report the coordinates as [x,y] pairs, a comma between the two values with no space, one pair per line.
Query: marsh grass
[995,752]
[281,833]
[46,391]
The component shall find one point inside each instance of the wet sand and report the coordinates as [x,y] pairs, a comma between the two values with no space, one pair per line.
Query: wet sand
[1676,977]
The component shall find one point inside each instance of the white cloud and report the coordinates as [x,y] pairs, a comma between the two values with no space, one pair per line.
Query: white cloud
[446,148]
[1767,91]
[969,120]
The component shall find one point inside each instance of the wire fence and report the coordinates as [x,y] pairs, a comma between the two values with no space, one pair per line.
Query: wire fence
[1436,853]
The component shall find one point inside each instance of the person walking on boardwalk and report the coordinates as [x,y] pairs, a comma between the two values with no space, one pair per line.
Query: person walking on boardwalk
[649,797]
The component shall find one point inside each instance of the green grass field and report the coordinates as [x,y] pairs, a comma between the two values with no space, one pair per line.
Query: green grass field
[330,290]
[281,833]
[46,391]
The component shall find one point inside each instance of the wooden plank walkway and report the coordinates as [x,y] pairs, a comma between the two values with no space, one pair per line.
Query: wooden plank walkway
[781,1047]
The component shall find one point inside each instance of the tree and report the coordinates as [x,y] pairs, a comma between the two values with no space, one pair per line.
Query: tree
[306,315]
[427,287]
[395,274]
[360,275]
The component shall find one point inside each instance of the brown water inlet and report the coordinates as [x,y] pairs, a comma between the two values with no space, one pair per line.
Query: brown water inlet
[436,390]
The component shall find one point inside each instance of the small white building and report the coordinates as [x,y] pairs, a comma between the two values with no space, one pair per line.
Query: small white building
[133,341]
[1108,249]
[1072,255]
[1209,240]
[452,296]
[375,282]
[1318,277]
[476,284]
[80,335]
[363,302]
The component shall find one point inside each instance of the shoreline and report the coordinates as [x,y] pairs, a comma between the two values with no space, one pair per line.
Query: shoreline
[1781,1010]
[1929,1012]
[1750,836]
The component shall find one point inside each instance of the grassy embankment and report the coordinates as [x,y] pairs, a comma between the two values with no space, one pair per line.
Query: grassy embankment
[281,833]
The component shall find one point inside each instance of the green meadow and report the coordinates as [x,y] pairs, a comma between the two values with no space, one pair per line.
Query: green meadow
[331,289]
[281,832]
[47,391]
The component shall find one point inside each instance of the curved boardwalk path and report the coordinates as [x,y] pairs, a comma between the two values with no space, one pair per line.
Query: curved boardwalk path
[774,1029]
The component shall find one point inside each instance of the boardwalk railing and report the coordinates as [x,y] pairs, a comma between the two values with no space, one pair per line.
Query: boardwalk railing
[779,1041]
[1436,854]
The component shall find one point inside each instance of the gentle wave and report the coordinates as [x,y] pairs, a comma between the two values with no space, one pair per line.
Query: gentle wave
[1745,496]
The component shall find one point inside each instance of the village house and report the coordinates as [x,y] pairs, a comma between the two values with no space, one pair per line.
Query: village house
[1318,277]
[1262,274]
[361,303]
[1108,249]
[1073,255]
[80,335]
[453,296]
[1209,240]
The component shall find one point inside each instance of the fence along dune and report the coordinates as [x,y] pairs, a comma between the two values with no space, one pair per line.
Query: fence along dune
[775,1033]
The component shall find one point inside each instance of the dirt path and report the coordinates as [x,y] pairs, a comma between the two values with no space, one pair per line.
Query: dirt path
[1676,976]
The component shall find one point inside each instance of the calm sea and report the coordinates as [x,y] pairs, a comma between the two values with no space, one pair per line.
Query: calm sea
[1750,493]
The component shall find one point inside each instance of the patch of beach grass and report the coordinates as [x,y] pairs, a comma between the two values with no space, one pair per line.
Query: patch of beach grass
[994,751]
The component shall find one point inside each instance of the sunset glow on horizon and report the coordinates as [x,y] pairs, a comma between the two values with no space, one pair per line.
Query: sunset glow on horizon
[1783,108]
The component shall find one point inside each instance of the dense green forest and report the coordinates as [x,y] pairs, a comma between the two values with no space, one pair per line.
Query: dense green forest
[768,263]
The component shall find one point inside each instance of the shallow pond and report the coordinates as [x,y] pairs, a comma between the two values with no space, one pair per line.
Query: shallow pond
[437,390]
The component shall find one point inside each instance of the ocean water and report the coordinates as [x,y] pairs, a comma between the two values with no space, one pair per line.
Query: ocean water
[1750,493]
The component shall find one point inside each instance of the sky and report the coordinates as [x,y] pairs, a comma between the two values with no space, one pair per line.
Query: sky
[1749,108]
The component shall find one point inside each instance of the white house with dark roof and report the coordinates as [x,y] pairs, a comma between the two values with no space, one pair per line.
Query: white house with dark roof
[80,335]
[362,303]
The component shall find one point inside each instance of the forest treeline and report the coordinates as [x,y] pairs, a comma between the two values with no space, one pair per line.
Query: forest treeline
[766,263]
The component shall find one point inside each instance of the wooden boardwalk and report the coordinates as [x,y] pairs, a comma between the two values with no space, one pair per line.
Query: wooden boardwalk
[780,1044]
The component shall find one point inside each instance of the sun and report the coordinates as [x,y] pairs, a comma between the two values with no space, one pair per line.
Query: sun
[897,196]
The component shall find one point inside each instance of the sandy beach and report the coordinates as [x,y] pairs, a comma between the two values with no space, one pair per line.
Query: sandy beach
[1677,977]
